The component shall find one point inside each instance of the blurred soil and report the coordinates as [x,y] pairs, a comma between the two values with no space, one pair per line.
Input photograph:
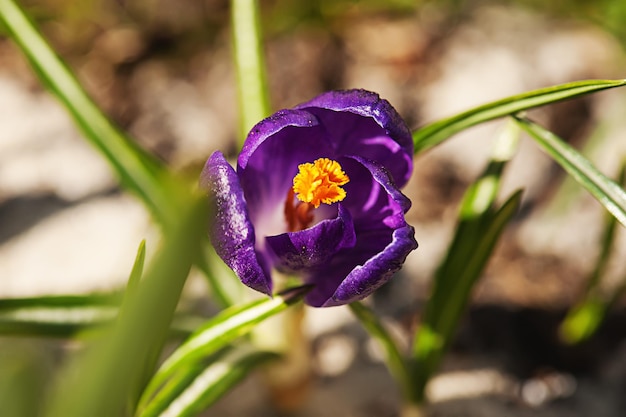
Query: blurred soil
[164,73]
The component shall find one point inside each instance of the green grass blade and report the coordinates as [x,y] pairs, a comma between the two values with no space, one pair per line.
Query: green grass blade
[138,171]
[137,271]
[199,387]
[175,386]
[218,332]
[475,209]
[62,301]
[69,315]
[107,379]
[56,316]
[608,241]
[435,133]
[479,228]
[481,194]
[583,320]
[605,190]
[57,321]
[469,252]
[393,358]
[251,76]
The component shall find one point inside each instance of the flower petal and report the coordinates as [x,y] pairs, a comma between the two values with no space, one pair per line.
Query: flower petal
[364,280]
[360,123]
[269,161]
[232,233]
[383,239]
[271,126]
[312,247]
[372,197]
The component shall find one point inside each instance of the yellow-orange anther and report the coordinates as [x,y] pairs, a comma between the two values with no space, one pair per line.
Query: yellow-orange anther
[320,182]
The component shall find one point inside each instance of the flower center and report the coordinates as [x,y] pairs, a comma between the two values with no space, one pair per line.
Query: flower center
[320,182]
[316,183]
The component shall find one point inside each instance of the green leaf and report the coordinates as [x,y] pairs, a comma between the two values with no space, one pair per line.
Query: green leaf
[479,228]
[62,301]
[482,193]
[583,320]
[435,133]
[393,358]
[605,190]
[467,256]
[57,321]
[117,362]
[138,171]
[56,316]
[475,213]
[176,385]
[195,388]
[220,331]
[249,62]
[137,271]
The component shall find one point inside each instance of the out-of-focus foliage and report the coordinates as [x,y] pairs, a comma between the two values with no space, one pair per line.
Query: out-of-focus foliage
[583,320]
[610,15]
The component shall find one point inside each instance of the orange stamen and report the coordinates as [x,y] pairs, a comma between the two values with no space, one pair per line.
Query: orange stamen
[320,182]
[316,183]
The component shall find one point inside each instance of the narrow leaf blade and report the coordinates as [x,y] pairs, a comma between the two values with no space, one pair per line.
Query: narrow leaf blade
[605,190]
[435,133]
[453,284]
[583,320]
[200,387]
[137,271]
[139,172]
[118,363]
[220,331]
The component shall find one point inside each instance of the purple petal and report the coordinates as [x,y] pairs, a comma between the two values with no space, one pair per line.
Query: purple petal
[360,123]
[232,233]
[270,126]
[312,247]
[364,280]
[372,197]
[269,161]
[383,239]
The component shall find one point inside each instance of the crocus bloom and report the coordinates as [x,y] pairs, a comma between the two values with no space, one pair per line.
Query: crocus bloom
[316,194]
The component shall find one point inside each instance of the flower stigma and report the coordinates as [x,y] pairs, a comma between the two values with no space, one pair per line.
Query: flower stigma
[316,183]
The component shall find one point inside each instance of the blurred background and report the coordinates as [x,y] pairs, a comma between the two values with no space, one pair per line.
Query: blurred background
[163,71]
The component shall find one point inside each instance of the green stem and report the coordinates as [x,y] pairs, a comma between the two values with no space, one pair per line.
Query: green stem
[251,76]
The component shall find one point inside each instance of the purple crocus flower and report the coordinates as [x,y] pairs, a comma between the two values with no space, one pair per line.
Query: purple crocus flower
[316,193]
